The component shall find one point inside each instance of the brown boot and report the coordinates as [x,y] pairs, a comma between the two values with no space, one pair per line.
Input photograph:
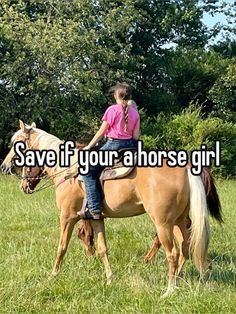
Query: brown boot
[84,213]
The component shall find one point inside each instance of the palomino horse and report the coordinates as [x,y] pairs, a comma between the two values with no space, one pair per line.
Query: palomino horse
[167,195]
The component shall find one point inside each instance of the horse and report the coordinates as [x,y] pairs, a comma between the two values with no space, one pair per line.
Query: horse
[168,195]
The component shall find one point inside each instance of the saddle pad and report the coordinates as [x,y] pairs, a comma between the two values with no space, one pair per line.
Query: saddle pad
[115,172]
[112,173]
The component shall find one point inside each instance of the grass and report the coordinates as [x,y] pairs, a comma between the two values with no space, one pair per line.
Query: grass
[29,231]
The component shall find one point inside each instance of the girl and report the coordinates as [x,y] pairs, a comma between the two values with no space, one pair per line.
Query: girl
[121,127]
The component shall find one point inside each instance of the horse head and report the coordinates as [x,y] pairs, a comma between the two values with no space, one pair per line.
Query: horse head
[85,233]
[30,176]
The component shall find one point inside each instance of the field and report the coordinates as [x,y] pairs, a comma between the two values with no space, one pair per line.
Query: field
[29,231]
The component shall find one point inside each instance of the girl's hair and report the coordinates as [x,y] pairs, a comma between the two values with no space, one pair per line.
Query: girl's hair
[124,92]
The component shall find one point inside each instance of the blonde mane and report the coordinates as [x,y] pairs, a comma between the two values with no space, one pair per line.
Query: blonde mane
[46,141]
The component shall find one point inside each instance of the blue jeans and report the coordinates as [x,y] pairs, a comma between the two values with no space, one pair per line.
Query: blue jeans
[91,180]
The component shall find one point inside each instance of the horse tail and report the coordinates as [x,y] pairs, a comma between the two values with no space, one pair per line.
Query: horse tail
[199,238]
[213,201]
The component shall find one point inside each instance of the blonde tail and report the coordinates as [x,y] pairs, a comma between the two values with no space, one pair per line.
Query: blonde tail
[200,225]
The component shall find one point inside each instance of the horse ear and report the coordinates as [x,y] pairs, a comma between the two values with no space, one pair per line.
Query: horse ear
[33,125]
[22,125]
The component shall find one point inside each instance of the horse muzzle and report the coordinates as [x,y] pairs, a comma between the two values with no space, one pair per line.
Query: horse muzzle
[25,187]
[27,190]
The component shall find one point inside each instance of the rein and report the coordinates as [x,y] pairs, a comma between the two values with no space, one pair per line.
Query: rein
[40,177]
[46,185]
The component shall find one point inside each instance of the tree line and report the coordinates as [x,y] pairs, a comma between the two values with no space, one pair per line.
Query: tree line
[58,60]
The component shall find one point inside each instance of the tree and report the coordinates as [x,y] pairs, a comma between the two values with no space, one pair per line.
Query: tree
[58,59]
[223,94]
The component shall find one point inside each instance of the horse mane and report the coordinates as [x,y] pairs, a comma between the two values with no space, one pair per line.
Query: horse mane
[44,140]
[48,141]
[43,136]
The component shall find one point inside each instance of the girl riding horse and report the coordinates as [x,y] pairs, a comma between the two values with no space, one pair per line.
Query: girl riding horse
[121,127]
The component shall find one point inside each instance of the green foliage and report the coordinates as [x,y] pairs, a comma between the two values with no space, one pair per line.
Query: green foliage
[226,48]
[188,131]
[192,73]
[223,94]
[57,62]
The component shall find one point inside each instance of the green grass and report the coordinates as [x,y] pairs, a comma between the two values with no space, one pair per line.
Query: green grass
[29,231]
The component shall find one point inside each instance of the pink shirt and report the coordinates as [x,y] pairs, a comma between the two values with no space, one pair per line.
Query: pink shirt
[114,116]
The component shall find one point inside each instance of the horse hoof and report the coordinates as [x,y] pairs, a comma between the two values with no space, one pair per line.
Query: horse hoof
[148,258]
[168,293]
[109,280]
[51,277]
[54,273]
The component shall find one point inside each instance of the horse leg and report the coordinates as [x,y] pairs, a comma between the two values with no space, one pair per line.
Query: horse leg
[66,225]
[182,235]
[166,236]
[100,236]
[153,250]
[157,244]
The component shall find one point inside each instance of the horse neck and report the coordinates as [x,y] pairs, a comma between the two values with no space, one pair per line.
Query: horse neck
[58,174]
[50,142]
[55,174]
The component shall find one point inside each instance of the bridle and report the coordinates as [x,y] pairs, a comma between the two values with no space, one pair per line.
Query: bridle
[26,171]
[27,176]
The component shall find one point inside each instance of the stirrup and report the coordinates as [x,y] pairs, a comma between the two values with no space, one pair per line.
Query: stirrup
[84,213]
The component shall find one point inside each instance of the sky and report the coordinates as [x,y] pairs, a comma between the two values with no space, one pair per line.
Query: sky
[210,21]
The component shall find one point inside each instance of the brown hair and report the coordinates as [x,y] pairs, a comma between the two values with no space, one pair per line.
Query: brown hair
[124,92]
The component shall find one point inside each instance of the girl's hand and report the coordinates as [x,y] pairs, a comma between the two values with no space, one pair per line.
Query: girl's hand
[98,136]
